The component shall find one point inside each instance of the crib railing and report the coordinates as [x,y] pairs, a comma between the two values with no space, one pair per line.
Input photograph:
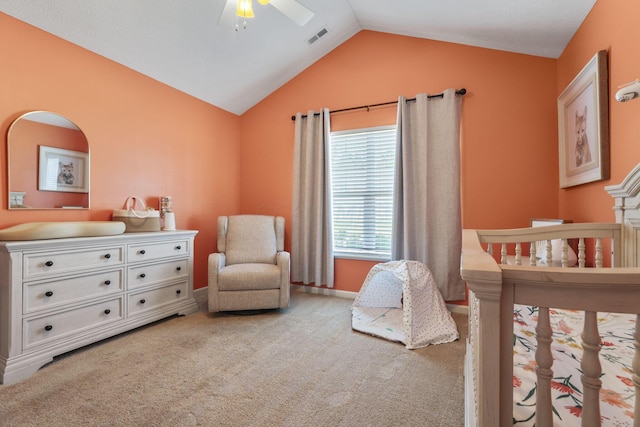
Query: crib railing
[598,233]
[495,288]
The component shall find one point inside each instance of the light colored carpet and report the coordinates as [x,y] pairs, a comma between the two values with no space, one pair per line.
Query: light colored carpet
[303,366]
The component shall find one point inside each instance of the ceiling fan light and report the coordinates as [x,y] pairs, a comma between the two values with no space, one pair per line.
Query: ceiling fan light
[263,2]
[245,9]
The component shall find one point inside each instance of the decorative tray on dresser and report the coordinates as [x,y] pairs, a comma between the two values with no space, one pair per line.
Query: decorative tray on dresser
[57,295]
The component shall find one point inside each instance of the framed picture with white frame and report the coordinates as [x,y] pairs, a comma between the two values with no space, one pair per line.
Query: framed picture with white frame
[583,125]
[63,170]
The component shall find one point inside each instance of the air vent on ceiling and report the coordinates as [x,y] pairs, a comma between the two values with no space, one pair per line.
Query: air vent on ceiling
[317,36]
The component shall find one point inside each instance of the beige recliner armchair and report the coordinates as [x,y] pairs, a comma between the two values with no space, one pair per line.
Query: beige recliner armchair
[251,269]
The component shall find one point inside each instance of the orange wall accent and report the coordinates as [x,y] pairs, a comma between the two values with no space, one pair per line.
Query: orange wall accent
[606,27]
[509,151]
[146,139]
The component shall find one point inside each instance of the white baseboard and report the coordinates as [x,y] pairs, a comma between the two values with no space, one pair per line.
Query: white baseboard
[201,292]
[324,291]
[453,308]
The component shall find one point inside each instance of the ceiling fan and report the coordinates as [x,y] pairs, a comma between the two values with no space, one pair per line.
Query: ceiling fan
[244,9]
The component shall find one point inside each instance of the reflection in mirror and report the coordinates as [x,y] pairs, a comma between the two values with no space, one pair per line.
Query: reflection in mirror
[48,163]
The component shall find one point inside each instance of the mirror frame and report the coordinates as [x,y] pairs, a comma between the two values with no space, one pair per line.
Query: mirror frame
[55,118]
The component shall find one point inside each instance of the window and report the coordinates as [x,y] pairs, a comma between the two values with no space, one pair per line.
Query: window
[362,167]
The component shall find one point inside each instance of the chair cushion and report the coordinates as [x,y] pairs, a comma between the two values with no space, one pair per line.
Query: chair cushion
[251,276]
[251,239]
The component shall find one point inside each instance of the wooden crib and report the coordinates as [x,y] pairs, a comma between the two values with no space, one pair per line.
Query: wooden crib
[502,270]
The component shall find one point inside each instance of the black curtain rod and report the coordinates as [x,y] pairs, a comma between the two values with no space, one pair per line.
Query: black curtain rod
[440,95]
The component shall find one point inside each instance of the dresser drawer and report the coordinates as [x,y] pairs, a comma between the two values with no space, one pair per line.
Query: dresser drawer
[142,301]
[156,250]
[39,264]
[43,329]
[54,293]
[148,274]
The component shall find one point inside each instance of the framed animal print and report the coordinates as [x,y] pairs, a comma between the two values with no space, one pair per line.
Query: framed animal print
[583,125]
[63,170]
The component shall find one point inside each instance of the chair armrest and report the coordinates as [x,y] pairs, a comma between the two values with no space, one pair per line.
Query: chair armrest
[216,262]
[283,262]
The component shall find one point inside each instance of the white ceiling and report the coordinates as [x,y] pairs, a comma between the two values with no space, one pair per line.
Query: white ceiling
[191,46]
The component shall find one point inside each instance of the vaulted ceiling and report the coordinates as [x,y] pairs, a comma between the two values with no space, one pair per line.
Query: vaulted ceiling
[192,45]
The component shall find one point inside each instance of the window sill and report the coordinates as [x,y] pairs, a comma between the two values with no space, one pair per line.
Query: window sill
[361,256]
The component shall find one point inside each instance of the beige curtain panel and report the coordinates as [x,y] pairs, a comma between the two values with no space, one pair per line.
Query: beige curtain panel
[312,230]
[427,213]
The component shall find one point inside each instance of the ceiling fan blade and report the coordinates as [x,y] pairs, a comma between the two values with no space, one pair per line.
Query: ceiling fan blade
[294,10]
[226,16]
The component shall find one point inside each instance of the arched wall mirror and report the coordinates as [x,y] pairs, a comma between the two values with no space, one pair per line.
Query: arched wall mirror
[48,163]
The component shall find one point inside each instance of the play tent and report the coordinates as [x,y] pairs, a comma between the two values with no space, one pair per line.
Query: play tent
[399,301]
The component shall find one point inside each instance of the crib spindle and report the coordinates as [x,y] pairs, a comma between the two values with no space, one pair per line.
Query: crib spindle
[503,253]
[582,254]
[565,254]
[489,248]
[548,253]
[599,256]
[518,253]
[591,370]
[544,373]
[532,254]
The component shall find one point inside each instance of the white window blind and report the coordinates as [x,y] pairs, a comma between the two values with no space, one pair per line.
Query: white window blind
[362,164]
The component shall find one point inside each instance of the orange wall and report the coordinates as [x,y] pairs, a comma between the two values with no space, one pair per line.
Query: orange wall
[606,27]
[149,140]
[509,125]
[145,138]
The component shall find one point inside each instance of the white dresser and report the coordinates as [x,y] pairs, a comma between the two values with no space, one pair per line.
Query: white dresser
[61,294]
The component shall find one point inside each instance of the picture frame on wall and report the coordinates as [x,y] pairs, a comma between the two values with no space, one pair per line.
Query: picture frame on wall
[583,125]
[62,170]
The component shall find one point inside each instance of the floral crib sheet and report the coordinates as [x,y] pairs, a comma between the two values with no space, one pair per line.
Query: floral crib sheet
[617,394]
